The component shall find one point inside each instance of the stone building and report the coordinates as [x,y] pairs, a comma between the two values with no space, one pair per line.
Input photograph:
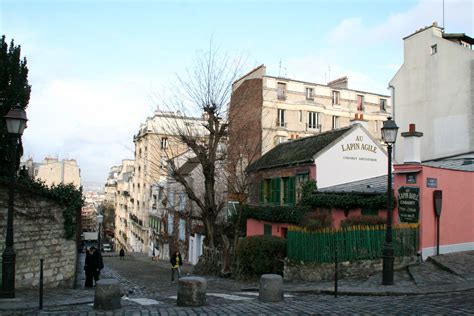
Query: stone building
[266,111]
[123,204]
[434,89]
[55,171]
[156,141]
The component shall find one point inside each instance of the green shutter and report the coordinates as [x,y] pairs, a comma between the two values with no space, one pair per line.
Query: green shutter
[262,191]
[291,190]
[277,191]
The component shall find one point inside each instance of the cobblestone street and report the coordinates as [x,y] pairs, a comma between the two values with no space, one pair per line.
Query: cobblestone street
[148,290]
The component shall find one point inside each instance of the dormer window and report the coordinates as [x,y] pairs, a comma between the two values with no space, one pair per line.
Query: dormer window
[309,94]
[434,49]
[281,91]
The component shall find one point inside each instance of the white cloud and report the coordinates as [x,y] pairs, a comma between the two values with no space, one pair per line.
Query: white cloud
[92,121]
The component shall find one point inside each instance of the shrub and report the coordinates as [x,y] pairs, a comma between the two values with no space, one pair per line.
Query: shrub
[258,255]
[363,220]
[317,220]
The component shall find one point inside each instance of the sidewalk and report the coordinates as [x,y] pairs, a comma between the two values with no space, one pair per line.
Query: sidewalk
[442,274]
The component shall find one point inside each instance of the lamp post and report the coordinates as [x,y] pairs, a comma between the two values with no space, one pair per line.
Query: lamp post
[389,135]
[16,124]
[100,219]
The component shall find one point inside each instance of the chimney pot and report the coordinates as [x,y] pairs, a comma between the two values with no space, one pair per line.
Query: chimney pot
[361,116]
[411,128]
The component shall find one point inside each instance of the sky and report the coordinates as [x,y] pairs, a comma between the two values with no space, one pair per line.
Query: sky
[96,67]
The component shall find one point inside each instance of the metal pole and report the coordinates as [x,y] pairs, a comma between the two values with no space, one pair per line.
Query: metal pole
[387,252]
[437,236]
[41,285]
[335,274]
[9,256]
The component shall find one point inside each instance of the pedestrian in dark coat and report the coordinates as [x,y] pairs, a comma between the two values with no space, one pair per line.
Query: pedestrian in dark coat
[99,263]
[122,254]
[176,263]
[90,267]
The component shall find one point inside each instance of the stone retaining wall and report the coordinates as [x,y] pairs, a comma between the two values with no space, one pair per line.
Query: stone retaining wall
[38,233]
[325,271]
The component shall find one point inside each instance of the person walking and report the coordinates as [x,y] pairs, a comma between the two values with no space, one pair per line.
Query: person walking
[122,254]
[98,263]
[176,263]
[90,266]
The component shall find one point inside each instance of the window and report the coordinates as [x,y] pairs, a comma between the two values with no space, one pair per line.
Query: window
[182,229]
[360,102]
[288,190]
[301,116]
[270,191]
[434,49]
[335,122]
[309,94]
[281,91]
[164,142]
[300,180]
[182,201]
[383,104]
[267,229]
[313,120]
[281,118]
[170,224]
[335,97]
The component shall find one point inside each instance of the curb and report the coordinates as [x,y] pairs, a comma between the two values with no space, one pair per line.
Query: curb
[443,267]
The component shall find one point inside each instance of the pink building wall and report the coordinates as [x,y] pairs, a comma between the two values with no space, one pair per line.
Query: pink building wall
[256,228]
[457,215]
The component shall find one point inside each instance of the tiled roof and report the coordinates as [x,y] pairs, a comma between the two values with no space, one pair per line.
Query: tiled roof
[298,151]
[374,185]
[462,164]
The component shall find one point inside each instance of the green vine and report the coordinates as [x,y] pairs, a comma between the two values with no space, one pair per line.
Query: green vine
[274,214]
[345,201]
[65,194]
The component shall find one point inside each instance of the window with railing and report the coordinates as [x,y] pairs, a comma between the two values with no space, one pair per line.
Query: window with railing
[383,104]
[313,120]
[281,87]
[164,142]
[281,118]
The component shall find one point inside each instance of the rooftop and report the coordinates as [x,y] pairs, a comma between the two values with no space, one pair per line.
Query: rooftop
[374,185]
[297,152]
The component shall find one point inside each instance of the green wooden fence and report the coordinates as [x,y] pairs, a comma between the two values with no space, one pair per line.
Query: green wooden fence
[352,243]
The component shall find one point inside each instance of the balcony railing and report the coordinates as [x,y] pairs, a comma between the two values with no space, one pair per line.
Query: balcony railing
[313,127]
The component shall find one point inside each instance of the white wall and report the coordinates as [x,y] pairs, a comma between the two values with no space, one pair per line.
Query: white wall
[344,163]
[434,91]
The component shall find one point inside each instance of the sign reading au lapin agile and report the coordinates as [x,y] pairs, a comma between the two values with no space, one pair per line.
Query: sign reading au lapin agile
[408,204]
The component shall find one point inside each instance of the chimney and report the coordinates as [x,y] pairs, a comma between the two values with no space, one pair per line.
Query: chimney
[411,145]
[339,83]
[359,119]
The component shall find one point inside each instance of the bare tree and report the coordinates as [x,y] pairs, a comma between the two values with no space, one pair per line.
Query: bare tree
[204,90]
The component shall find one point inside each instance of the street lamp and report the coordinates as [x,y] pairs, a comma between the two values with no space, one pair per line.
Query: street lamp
[100,219]
[16,124]
[389,135]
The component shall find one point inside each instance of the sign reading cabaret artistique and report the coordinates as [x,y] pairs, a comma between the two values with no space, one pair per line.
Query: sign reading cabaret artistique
[409,204]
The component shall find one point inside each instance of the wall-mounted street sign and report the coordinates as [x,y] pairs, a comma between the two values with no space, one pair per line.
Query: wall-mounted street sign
[431,182]
[411,178]
[408,204]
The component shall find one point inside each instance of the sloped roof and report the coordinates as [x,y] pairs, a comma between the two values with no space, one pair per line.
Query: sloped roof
[461,164]
[188,166]
[298,151]
[373,185]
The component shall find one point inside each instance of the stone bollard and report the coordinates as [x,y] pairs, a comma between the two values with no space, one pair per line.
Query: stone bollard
[107,294]
[192,291]
[271,288]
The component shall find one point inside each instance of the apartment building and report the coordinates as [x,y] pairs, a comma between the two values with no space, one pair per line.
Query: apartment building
[123,203]
[266,111]
[55,171]
[155,143]
[433,89]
